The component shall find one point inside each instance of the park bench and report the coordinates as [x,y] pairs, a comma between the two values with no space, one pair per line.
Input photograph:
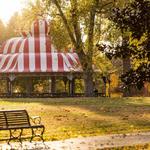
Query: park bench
[16,120]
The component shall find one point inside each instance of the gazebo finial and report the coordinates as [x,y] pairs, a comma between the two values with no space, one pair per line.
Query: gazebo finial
[39,27]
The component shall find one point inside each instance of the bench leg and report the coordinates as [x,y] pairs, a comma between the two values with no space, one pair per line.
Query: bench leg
[37,132]
[15,134]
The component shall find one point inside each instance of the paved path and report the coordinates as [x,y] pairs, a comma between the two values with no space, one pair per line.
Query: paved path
[89,143]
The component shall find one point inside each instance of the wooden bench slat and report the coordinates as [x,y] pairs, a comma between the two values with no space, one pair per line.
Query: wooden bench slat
[2,118]
[2,122]
[11,120]
[15,114]
[16,117]
[9,123]
[3,126]
[12,114]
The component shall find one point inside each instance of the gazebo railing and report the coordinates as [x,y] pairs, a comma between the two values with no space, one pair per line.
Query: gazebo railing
[46,95]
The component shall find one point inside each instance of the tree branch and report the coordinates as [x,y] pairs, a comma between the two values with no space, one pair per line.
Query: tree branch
[103,6]
[75,22]
[91,30]
[65,22]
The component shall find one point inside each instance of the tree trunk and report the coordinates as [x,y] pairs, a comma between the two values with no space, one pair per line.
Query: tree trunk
[126,68]
[75,36]
[88,81]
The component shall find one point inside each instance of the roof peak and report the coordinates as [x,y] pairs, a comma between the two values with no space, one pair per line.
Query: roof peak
[39,27]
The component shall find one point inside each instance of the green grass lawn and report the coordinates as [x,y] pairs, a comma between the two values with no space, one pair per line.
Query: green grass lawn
[78,117]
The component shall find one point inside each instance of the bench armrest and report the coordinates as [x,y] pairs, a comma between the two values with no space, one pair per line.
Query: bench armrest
[36,120]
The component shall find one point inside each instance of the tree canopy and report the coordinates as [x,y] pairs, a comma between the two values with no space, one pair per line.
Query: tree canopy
[74,23]
[134,19]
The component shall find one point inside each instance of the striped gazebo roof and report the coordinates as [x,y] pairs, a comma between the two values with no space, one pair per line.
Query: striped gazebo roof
[35,53]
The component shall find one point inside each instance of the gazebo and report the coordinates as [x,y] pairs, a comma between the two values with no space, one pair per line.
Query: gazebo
[34,55]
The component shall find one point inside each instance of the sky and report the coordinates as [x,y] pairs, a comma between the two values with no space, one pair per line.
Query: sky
[8,7]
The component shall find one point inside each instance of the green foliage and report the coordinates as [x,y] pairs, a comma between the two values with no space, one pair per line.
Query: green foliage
[2,32]
[41,85]
[13,26]
[79,86]
[33,10]
[19,85]
[134,18]
[3,87]
[85,20]
[59,35]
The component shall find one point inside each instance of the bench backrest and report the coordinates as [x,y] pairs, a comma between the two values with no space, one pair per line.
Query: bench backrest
[14,118]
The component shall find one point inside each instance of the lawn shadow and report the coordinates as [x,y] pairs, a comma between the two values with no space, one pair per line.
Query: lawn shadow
[92,116]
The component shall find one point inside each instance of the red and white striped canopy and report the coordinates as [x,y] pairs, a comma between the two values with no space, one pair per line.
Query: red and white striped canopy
[35,53]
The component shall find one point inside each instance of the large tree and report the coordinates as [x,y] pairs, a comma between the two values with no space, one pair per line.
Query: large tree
[134,19]
[77,24]
[74,23]
[81,20]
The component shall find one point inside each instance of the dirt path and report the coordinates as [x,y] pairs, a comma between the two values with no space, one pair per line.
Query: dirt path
[89,143]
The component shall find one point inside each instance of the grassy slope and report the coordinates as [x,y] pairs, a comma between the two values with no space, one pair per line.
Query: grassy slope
[76,117]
